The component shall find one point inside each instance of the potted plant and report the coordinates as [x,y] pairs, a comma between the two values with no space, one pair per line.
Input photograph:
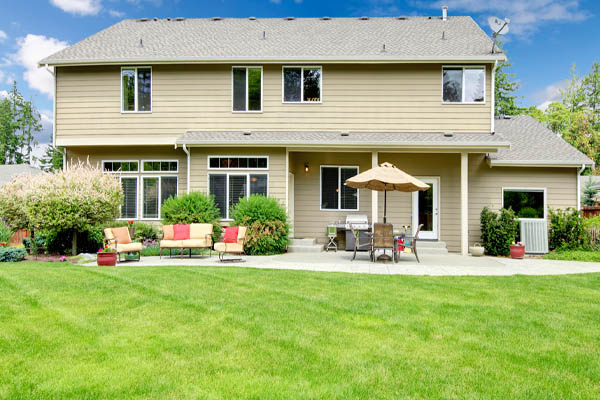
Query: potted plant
[107,256]
[517,250]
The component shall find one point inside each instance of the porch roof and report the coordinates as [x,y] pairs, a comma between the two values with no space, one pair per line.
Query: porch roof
[339,139]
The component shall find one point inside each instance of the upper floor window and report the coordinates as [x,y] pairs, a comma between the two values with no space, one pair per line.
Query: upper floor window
[247,89]
[463,84]
[302,84]
[136,89]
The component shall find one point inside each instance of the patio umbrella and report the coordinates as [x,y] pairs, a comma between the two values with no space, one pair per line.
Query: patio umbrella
[386,177]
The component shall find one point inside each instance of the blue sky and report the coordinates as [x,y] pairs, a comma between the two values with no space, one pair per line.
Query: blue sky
[547,36]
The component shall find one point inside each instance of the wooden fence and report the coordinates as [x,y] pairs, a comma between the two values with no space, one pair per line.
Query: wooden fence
[590,211]
[17,238]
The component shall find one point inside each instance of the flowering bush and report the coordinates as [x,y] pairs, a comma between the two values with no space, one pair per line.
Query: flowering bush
[13,202]
[107,249]
[73,200]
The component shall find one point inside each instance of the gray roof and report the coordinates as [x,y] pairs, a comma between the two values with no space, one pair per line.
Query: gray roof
[343,139]
[533,143]
[8,172]
[237,39]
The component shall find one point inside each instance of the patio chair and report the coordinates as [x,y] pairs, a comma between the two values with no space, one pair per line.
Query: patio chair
[413,244]
[119,239]
[383,239]
[232,246]
[360,242]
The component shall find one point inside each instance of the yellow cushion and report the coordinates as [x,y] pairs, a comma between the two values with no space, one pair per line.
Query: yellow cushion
[122,235]
[229,247]
[242,233]
[125,248]
[171,244]
[199,231]
[168,232]
[108,234]
[196,243]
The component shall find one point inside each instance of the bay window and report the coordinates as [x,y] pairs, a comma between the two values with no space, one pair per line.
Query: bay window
[247,89]
[335,195]
[463,84]
[302,84]
[136,89]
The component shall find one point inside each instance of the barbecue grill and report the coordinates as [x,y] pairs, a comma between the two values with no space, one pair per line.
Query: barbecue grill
[358,222]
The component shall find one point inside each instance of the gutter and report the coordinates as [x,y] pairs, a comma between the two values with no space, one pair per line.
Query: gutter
[493,112]
[533,163]
[187,152]
[579,186]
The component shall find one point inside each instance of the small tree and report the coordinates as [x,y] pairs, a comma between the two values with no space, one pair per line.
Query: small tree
[589,194]
[73,200]
[13,202]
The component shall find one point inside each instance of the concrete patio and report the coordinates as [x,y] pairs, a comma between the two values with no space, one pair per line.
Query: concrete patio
[431,264]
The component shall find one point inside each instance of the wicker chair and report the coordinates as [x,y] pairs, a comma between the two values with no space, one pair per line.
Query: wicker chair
[413,244]
[383,239]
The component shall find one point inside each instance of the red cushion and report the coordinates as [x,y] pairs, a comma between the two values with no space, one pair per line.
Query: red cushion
[231,234]
[181,232]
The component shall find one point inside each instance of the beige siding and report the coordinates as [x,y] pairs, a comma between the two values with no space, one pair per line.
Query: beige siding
[485,187]
[394,97]
[276,171]
[96,155]
[446,167]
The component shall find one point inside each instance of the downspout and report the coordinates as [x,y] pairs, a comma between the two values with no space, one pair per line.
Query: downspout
[493,97]
[579,186]
[64,151]
[187,152]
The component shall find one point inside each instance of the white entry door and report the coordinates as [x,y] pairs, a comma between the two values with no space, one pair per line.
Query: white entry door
[425,209]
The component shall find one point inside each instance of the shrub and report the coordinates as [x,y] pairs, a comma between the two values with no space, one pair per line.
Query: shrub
[192,208]
[5,232]
[144,231]
[40,241]
[12,254]
[267,224]
[13,202]
[498,231]
[567,230]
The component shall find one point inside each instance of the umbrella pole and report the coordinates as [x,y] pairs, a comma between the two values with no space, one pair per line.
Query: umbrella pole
[384,206]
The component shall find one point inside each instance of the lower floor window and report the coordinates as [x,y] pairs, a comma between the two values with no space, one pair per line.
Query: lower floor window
[526,203]
[335,195]
[228,189]
[129,186]
[156,189]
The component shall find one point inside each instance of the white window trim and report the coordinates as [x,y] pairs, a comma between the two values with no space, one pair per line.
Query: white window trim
[159,172]
[262,81]
[528,189]
[135,97]
[141,209]
[340,188]
[302,68]
[463,84]
[120,172]
[137,197]
[236,173]
[236,169]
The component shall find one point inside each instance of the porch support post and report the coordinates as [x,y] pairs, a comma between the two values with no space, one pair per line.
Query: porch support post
[464,203]
[374,193]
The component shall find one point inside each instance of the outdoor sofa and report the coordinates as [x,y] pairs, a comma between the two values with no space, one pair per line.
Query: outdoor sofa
[192,236]
[119,239]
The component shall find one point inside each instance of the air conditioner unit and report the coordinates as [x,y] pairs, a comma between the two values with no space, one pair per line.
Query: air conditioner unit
[534,235]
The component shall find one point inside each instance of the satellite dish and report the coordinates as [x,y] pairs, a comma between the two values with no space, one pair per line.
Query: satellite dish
[499,27]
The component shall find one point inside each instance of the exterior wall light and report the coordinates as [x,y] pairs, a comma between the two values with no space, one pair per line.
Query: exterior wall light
[306,167]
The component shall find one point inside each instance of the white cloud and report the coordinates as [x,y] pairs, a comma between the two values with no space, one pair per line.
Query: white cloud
[32,48]
[526,17]
[45,136]
[116,14]
[3,36]
[78,7]
[3,94]
[548,95]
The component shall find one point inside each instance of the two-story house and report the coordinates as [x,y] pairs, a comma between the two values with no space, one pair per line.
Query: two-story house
[291,107]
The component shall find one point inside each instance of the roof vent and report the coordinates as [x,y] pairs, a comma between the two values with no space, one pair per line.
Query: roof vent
[345,134]
[402,18]
[289,18]
[363,18]
[179,19]
[216,18]
[448,134]
[168,19]
[325,18]
[444,13]
[155,19]
[142,20]
[252,18]
[247,133]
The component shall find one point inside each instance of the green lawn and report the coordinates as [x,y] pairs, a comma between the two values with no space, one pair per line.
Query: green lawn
[193,332]
[574,255]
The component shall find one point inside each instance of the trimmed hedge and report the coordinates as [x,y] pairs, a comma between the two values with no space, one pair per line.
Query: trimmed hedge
[192,208]
[267,224]
[498,231]
[12,254]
